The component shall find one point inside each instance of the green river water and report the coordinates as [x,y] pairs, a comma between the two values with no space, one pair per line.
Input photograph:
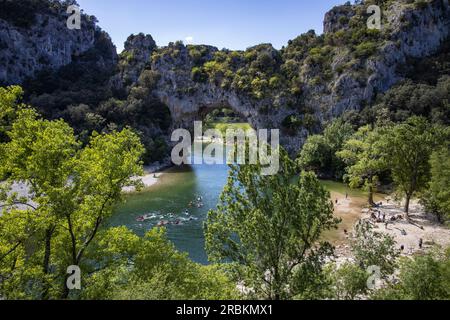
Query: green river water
[170,197]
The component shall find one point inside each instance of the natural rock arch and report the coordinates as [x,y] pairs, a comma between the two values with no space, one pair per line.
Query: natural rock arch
[187,109]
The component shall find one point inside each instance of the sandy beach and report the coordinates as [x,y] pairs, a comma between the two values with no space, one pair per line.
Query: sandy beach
[151,176]
[409,233]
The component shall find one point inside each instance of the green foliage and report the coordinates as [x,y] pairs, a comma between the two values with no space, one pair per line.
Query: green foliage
[319,151]
[61,221]
[292,124]
[22,14]
[315,154]
[349,281]
[421,99]
[150,268]
[372,248]
[149,79]
[9,107]
[346,282]
[365,156]
[410,146]
[199,75]
[72,191]
[255,71]
[271,224]
[424,277]
[81,94]
[365,49]
[437,196]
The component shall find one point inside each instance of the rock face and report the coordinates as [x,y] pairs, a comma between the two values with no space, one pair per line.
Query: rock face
[138,52]
[338,18]
[191,101]
[46,43]
[410,30]
[413,32]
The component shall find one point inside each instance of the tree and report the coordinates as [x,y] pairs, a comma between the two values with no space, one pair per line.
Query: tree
[54,206]
[315,154]
[423,277]
[347,281]
[71,192]
[9,106]
[39,153]
[372,248]
[319,151]
[437,197]
[336,134]
[410,146]
[150,268]
[269,228]
[364,153]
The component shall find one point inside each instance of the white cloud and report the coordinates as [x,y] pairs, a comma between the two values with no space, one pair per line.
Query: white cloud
[189,40]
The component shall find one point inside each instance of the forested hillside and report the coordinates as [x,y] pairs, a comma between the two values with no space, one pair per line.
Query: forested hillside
[355,105]
[311,80]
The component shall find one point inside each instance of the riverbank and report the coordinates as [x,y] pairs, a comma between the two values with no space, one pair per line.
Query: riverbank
[153,174]
[422,227]
[421,234]
[348,205]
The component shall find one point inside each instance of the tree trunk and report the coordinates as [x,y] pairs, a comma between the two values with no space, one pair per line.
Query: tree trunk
[46,262]
[371,202]
[408,201]
[65,293]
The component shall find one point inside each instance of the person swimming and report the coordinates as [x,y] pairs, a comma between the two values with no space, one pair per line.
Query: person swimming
[162,223]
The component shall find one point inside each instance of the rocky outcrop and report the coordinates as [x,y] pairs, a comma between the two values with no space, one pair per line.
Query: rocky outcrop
[409,31]
[47,43]
[135,58]
[338,18]
[191,101]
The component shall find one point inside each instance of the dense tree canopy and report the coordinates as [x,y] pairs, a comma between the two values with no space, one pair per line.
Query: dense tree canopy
[437,196]
[54,208]
[365,155]
[319,152]
[269,227]
[410,146]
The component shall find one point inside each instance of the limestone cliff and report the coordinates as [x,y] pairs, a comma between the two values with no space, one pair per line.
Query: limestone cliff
[34,37]
[313,79]
[342,70]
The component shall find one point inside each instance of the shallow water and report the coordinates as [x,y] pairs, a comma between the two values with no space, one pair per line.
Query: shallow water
[170,198]
[172,195]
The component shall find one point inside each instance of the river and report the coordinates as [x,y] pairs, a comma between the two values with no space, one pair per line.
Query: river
[170,197]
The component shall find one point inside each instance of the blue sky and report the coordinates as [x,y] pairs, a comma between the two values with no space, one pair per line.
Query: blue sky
[232,24]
